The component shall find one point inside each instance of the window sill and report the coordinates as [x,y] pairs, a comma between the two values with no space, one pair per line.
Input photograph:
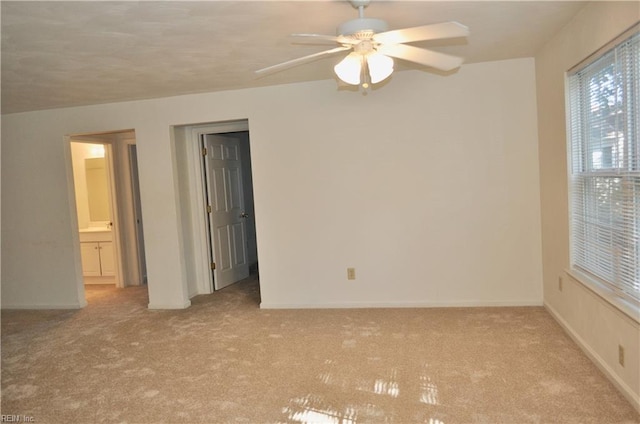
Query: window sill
[626,307]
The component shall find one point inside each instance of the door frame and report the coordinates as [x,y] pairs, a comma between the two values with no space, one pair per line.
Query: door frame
[120,188]
[134,179]
[197,196]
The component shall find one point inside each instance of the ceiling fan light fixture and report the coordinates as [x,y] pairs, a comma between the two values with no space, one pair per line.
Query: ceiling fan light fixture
[349,69]
[380,67]
[377,67]
[373,48]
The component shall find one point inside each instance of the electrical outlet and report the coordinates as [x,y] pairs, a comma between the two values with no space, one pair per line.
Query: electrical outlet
[351,273]
[560,283]
[621,355]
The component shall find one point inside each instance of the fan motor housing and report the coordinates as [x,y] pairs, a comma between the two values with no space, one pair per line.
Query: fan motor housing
[359,3]
[362,24]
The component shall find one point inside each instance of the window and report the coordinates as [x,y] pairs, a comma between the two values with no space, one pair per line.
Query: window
[604,180]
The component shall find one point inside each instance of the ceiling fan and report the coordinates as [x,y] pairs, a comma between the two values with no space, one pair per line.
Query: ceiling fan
[373,48]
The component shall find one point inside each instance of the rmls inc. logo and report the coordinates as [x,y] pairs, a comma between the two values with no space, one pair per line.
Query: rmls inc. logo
[16,419]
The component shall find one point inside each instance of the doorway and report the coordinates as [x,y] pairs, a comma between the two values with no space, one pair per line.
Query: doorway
[93,183]
[203,260]
[108,208]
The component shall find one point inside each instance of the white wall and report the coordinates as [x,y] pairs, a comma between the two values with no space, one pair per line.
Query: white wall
[428,187]
[182,175]
[597,326]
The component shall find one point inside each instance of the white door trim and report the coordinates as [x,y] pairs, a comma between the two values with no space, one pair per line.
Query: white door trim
[73,211]
[197,195]
[134,179]
[116,230]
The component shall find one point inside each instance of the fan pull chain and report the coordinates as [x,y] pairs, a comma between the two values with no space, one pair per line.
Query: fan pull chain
[364,73]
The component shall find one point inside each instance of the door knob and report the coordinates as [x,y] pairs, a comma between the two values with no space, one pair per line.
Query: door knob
[244,215]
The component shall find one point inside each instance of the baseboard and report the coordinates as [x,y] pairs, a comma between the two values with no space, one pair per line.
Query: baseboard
[626,391]
[99,280]
[160,306]
[364,305]
[79,305]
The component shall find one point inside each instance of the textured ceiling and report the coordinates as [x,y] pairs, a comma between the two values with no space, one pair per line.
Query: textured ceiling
[59,54]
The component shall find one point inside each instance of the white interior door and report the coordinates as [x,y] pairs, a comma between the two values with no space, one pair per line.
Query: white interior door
[227,225]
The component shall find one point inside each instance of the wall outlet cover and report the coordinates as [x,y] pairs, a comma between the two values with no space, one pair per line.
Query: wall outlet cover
[351,273]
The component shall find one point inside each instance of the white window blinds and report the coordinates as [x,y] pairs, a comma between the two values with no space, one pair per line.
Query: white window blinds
[604,144]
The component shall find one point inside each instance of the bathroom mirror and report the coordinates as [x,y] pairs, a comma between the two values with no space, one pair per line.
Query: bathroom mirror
[97,189]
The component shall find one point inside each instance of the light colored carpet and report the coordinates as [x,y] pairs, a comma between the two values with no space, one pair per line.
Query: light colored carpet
[224,360]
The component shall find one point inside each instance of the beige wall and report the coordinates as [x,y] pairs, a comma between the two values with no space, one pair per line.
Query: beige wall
[427,186]
[596,325]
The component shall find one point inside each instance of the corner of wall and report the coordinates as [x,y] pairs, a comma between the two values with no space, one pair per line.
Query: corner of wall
[627,391]
[169,306]
[590,320]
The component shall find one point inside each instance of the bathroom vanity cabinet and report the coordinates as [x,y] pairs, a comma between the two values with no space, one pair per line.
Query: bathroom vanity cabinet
[96,250]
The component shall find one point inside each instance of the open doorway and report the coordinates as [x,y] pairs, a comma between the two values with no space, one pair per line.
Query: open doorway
[108,209]
[93,183]
[205,257]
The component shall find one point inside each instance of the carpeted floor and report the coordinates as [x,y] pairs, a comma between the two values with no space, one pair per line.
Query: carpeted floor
[226,361]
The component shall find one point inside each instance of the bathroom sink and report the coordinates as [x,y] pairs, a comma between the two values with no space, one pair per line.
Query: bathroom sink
[95,230]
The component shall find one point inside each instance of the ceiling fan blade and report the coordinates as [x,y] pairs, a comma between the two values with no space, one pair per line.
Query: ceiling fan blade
[321,38]
[422,33]
[300,61]
[441,61]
